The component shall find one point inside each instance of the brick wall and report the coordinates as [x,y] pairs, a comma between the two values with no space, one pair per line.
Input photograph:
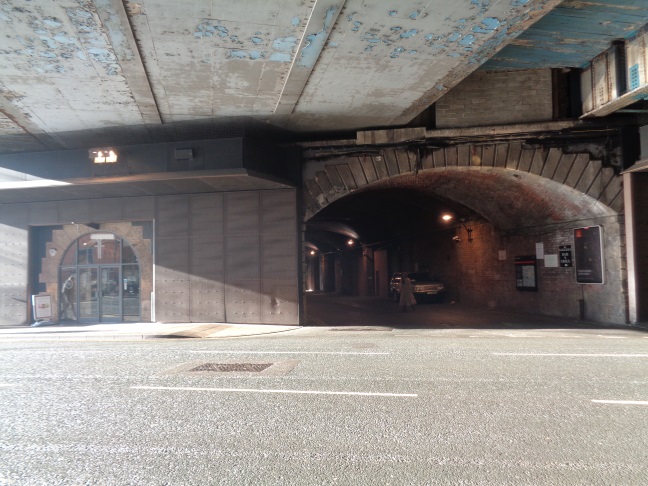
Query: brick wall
[475,274]
[497,98]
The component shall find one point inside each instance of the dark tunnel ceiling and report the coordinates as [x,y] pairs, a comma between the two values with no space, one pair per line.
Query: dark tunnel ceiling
[381,216]
[413,204]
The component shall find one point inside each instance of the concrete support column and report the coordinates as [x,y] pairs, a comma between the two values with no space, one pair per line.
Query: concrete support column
[628,196]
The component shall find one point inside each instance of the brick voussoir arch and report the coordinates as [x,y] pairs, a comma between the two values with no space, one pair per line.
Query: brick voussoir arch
[327,181]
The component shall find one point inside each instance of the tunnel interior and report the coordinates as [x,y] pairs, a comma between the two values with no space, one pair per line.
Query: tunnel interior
[356,243]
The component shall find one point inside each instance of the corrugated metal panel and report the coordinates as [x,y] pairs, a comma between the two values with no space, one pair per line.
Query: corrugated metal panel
[207,214]
[243,301]
[173,216]
[600,81]
[106,209]
[43,213]
[586,90]
[231,244]
[242,213]
[207,301]
[636,56]
[73,211]
[279,302]
[242,257]
[208,257]
[279,256]
[278,212]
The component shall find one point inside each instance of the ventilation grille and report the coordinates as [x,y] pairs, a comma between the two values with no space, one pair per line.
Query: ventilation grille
[233,367]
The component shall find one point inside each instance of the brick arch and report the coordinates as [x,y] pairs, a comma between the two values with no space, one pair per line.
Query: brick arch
[63,238]
[512,176]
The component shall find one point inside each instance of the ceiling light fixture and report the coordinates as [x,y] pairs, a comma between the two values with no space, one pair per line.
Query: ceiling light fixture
[103,155]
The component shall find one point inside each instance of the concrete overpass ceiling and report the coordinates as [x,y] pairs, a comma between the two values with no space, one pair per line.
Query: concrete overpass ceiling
[79,67]
[85,73]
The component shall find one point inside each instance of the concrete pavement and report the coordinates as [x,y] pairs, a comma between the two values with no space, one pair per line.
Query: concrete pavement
[139,330]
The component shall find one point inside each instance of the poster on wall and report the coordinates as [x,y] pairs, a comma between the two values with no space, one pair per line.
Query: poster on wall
[526,277]
[42,305]
[588,249]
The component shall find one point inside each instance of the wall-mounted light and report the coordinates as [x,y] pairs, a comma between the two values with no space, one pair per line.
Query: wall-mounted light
[350,242]
[104,155]
[467,228]
[312,252]
[449,217]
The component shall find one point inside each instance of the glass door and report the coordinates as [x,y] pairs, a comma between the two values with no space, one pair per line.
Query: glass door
[88,295]
[110,295]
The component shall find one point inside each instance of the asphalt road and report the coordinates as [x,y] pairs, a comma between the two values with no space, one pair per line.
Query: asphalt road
[337,405]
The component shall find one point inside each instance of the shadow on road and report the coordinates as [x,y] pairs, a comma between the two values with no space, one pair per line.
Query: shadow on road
[339,310]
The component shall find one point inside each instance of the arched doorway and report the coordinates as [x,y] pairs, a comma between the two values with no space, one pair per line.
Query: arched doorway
[99,279]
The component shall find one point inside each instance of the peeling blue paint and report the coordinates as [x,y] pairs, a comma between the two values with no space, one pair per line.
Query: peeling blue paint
[392,13]
[333,44]
[243,54]
[356,23]
[454,54]
[467,40]
[462,21]
[47,54]
[429,36]
[4,18]
[295,21]
[284,44]
[412,52]
[280,57]
[52,22]
[440,87]
[311,51]
[396,52]
[49,43]
[396,29]
[409,33]
[519,3]
[415,15]
[491,23]
[256,40]
[454,37]
[487,25]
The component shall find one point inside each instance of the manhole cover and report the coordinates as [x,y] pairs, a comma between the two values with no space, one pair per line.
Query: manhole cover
[233,367]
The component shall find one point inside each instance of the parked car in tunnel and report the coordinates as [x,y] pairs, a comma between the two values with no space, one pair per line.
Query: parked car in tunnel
[424,286]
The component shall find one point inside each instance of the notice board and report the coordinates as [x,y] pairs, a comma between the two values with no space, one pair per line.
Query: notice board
[588,251]
[526,275]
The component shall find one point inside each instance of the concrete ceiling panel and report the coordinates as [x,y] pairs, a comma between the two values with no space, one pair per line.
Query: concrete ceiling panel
[74,65]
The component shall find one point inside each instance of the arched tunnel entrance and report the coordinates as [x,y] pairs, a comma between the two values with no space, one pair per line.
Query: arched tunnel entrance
[500,217]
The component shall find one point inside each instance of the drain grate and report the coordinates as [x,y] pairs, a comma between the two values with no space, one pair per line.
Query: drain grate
[233,367]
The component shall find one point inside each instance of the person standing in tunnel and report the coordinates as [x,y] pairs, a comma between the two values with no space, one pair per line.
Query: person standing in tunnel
[406,294]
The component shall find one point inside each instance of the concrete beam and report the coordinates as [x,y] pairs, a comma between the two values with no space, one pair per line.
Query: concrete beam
[322,19]
[118,29]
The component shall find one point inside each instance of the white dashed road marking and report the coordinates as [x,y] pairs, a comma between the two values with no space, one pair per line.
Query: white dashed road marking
[296,392]
[337,353]
[621,402]
[578,355]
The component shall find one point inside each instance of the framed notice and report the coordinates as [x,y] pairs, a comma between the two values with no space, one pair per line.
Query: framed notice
[526,275]
[42,306]
[588,252]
